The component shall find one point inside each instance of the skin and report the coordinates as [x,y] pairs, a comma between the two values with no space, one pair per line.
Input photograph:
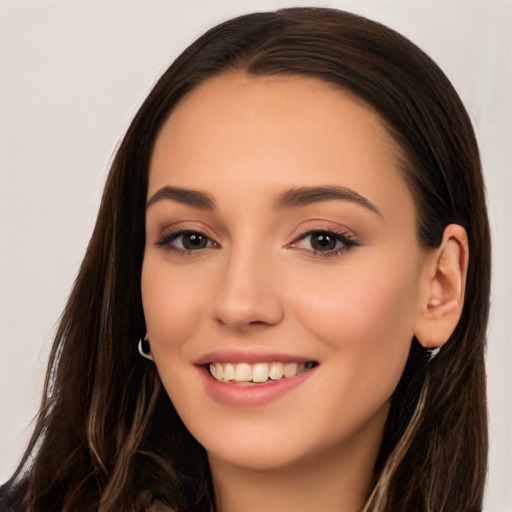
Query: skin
[259,284]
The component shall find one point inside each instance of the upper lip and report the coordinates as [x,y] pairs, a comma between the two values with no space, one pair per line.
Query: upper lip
[249,356]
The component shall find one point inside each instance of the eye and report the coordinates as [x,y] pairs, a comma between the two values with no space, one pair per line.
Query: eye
[186,241]
[324,243]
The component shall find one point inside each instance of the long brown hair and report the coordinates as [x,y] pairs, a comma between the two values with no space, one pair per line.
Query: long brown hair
[108,438]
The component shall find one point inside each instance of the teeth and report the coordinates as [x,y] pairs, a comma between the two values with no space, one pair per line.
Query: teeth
[229,372]
[259,372]
[290,370]
[276,371]
[243,372]
[219,371]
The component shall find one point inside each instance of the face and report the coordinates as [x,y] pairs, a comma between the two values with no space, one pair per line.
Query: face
[282,276]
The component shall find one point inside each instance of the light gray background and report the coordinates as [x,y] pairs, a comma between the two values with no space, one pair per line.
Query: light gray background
[72,74]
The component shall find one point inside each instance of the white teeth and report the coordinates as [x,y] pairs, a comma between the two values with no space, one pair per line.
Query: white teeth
[290,370]
[258,372]
[276,371]
[219,371]
[243,372]
[229,372]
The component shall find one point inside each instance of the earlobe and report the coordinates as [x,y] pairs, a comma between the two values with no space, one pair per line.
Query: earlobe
[445,283]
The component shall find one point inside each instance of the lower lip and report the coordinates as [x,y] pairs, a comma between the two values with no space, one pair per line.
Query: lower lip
[236,395]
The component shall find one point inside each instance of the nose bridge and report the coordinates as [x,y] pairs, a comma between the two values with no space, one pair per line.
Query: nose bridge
[247,294]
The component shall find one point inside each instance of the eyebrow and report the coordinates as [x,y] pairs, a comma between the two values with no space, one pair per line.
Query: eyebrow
[304,196]
[292,198]
[189,197]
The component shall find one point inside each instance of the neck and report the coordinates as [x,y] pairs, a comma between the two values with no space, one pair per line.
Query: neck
[338,481]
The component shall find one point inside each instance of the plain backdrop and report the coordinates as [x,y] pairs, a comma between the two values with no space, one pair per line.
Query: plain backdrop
[72,74]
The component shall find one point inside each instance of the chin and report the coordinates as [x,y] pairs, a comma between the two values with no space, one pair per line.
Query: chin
[257,458]
[270,447]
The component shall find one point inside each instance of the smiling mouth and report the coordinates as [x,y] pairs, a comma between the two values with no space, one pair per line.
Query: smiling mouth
[258,373]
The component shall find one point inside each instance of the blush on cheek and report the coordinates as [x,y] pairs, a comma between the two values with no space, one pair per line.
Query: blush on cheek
[173,322]
[369,314]
[170,314]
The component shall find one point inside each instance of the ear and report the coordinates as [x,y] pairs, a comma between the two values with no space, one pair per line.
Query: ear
[444,287]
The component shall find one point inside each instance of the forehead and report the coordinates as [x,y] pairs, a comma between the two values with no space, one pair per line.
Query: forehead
[262,132]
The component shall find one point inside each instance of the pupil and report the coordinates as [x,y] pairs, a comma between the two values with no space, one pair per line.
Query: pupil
[194,241]
[323,242]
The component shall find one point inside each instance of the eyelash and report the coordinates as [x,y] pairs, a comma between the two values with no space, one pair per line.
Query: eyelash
[343,238]
[171,236]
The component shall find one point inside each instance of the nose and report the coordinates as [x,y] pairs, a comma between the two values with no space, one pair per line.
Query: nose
[248,294]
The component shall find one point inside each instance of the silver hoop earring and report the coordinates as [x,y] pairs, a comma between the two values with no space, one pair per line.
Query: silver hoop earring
[145,349]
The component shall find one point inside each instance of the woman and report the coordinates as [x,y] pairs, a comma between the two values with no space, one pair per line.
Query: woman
[292,228]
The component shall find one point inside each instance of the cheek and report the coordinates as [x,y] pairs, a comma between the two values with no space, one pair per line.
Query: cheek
[366,324]
[172,306]
[367,313]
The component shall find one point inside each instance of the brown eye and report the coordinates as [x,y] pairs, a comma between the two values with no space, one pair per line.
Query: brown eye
[322,241]
[193,241]
[186,241]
